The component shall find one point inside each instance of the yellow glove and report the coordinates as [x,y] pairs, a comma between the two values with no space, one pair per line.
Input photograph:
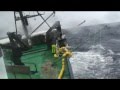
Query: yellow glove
[55,55]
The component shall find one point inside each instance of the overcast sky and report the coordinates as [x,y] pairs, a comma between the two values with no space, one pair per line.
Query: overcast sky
[73,18]
[68,19]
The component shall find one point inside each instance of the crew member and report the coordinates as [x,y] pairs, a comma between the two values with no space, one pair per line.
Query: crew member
[62,42]
[53,40]
[53,45]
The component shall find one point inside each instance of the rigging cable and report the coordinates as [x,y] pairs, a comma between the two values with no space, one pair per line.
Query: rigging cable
[41,24]
[43,19]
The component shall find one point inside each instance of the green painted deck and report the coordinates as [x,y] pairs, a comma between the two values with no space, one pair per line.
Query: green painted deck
[48,66]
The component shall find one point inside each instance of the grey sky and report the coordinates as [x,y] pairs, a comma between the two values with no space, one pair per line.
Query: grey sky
[68,19]
[73,18]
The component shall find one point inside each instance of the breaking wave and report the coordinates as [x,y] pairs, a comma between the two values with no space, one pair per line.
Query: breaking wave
[98,63]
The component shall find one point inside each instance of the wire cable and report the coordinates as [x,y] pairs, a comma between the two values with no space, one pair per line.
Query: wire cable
[43,19]
[41,24]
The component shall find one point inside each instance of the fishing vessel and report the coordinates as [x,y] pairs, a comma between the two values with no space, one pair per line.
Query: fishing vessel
[28,55]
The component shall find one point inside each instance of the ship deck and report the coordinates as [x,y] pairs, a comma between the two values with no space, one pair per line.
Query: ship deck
[48,67]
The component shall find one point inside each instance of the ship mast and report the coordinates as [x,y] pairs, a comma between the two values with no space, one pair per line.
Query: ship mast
[25,23]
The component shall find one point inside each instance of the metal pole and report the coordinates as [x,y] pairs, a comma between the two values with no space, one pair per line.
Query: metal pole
[15,22]
[25,28]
